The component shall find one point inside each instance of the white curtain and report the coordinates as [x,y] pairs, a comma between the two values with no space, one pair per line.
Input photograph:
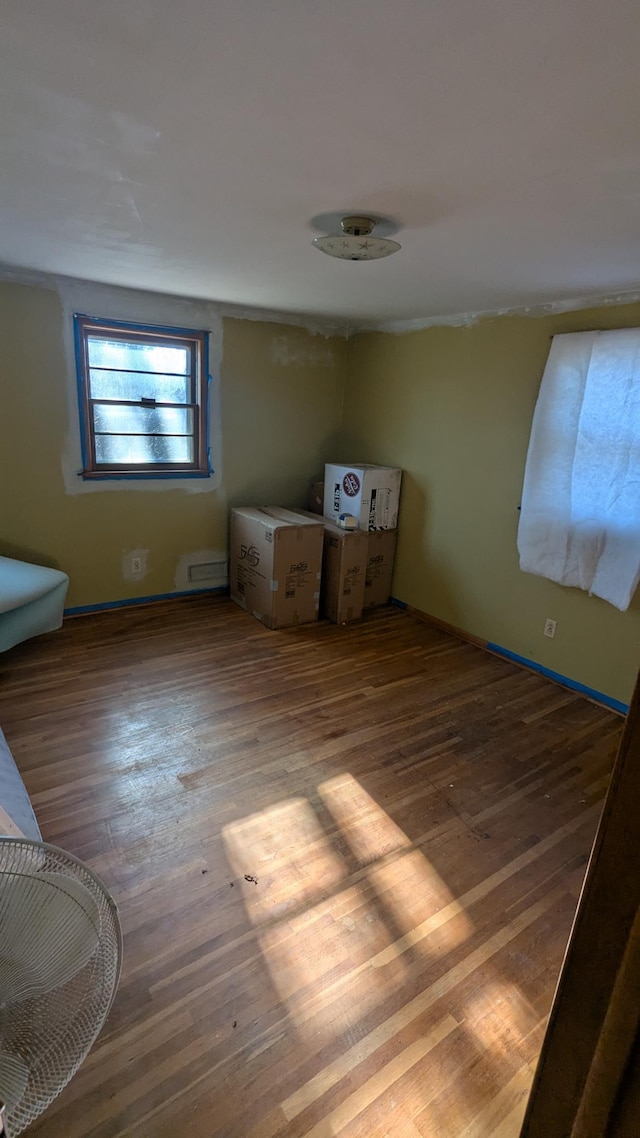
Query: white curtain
[580,519]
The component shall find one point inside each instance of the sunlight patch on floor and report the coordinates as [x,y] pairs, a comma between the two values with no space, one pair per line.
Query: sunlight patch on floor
[411,892]
[337,953]
[308,953]
[499,1015]
[368,829]
[324,942]
[286,851]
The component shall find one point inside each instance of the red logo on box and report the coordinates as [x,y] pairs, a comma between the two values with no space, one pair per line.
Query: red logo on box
[351,484]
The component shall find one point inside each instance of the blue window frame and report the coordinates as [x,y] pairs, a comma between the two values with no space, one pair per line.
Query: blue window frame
[143,394]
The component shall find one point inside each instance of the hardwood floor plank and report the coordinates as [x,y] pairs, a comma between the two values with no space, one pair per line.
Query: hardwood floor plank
[351,1107]
[479,892]
[340,1067]
[417,814]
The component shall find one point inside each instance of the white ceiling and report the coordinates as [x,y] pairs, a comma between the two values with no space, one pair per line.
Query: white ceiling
[186,147]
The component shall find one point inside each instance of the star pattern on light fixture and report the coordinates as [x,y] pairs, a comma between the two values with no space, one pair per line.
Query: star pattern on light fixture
[351,246]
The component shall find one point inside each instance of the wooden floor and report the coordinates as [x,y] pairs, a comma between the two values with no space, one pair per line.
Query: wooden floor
[417,815]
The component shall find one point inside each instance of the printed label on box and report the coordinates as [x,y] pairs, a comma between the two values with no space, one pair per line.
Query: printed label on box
[250,554]
[368,493]
[351,484]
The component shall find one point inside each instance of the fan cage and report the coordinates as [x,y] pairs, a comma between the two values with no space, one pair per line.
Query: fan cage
[49,1027]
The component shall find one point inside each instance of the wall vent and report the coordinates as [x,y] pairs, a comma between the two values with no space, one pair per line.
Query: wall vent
[207,571]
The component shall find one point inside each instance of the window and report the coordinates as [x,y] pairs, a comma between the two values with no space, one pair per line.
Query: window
[580,520]
[143,399]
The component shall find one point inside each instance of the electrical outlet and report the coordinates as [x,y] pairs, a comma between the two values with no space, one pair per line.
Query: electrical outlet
[136,566]
[550,627]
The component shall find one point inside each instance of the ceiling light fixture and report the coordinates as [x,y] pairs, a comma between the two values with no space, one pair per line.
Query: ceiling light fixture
[355,243]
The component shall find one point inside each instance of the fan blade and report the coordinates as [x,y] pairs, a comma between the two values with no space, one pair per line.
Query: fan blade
[13,1080]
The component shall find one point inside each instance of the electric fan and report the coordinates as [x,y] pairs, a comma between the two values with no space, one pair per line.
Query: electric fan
[60,956]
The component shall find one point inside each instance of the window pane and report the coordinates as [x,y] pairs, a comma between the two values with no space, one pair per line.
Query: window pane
[143,449]
[137,357]
[127,385]
[142,420]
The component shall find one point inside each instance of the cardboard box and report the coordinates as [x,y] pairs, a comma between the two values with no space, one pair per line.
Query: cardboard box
[370,493]
[316,498]
[380,556]
[344,566]
[275,566]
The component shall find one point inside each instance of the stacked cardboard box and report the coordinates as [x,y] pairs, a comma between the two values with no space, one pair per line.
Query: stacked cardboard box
[344,567]
[315,498]
[275,565]
[371,494]
[286,565]
[381,549]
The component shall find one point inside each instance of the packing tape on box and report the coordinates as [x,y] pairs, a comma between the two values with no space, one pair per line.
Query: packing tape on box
[274,586]
[316,596]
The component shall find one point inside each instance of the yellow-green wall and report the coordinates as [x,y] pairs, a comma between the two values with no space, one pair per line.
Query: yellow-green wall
[280,400]
[453,406]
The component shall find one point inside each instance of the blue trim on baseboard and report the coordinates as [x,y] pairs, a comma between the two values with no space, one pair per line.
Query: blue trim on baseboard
[397,603]
[103,606]
[607,700]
